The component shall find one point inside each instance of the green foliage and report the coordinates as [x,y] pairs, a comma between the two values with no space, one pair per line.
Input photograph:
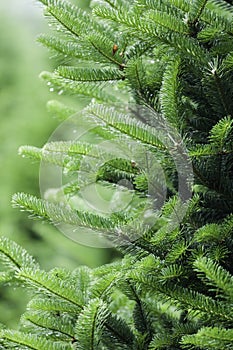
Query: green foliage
[173,288]
[24,120]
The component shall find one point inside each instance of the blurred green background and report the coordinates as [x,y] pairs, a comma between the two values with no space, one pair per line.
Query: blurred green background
[24,120]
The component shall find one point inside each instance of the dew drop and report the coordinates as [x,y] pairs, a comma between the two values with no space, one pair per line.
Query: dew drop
[51,89]
[60,92]
[49,83]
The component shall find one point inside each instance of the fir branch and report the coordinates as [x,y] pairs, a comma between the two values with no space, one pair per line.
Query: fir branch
[59,213]
[146,29]
[176,58]
[210,232]
[72,49]
[61,153]
[198,302]
[59,110]
[14,256]
[179,249]
[72,18]
[117,334]
[89,326]
[183,5]
[220,90]
[215,276]
[169,21]
[104,47]
[125,124]
[42,154]
[113,3]
[171,6]
[136,74]
[31,341]
[197,8]
[220,133]
[171,272]
[169,92]
[90,74]
[6,277]
[52,305]
[61,326]
[207,151]
[216,338]
[217,18]
[51,286]
[103,286]
[142,316]
[78,87]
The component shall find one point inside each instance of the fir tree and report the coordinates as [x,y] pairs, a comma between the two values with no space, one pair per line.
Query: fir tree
[173,289]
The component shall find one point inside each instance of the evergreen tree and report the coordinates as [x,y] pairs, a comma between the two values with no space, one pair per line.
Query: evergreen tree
[173,288]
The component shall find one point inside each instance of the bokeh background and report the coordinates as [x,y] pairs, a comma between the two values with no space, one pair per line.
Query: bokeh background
[24,120]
